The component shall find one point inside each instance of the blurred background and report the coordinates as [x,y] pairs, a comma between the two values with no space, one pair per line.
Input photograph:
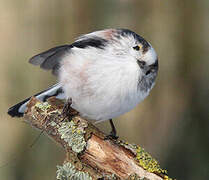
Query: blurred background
[172,123]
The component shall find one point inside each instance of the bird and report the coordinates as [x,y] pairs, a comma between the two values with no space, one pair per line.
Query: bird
[102,74]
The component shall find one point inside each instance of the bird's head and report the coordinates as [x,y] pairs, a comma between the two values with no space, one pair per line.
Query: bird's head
[125,44]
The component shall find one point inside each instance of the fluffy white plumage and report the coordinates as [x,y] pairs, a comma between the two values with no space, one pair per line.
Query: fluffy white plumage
[103,84]
[105,73]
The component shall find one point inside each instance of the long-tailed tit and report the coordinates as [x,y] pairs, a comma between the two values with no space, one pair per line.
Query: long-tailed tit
[104,73]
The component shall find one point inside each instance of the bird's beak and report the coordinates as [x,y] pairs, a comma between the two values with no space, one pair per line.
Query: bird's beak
[152,68]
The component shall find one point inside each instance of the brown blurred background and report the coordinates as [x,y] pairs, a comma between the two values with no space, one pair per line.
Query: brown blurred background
[172,123]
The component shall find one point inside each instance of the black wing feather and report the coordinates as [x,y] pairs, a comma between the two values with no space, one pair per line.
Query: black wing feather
[50,59]
[39,59]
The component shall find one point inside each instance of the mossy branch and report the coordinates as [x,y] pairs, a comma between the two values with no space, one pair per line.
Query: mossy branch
[88,155]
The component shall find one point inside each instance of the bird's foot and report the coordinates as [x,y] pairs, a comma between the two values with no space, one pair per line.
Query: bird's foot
[113,133]
[68,112]
[111,136]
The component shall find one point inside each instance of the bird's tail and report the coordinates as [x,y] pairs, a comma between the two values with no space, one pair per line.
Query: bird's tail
[19,109]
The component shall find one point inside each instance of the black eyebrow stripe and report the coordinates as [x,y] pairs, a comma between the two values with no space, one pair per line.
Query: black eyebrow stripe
[91,42]
[127,32]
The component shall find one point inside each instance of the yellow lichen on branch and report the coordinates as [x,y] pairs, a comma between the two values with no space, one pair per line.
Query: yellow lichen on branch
[88,154]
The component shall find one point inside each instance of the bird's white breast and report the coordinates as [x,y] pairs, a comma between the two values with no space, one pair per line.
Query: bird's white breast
[101,88]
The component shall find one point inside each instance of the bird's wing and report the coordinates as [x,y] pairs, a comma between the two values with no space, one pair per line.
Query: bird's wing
[50,59]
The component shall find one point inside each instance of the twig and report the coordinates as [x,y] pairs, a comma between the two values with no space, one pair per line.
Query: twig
[88,154]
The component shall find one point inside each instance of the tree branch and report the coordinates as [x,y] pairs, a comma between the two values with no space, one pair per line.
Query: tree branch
[88,155]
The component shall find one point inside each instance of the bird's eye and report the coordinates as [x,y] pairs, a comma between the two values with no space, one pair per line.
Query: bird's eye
[137,48]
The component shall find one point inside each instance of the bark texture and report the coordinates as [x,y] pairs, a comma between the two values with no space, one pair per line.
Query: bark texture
[88,154]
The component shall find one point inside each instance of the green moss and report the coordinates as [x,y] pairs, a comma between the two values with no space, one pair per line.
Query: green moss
[150,164]
[52,123]
[73,135]
[145,160]
[69,172]
[43,106]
